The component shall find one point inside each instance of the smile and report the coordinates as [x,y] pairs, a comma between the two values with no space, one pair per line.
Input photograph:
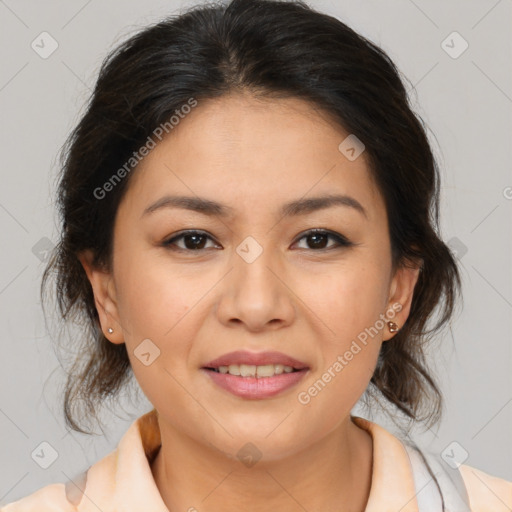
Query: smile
[250,370]
[255,382]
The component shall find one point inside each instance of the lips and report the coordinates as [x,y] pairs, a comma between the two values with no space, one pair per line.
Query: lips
[255,358]
[255,375]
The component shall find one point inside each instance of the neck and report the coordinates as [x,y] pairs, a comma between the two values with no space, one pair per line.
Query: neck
[333,474]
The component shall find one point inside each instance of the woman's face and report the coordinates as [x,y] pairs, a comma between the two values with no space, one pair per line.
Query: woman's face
[252,278]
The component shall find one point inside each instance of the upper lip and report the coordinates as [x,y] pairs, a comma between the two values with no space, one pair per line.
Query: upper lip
[256,359]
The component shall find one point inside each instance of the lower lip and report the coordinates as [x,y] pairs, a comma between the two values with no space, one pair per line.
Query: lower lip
[255,388]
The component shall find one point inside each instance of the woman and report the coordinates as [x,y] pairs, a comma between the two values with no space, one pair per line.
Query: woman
[249,214]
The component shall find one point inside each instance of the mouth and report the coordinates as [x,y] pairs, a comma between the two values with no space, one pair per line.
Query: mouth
[255,375]
[251,370]
[249,364]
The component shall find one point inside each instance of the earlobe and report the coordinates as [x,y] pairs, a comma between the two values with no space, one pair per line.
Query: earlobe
[103,287]
[400,297]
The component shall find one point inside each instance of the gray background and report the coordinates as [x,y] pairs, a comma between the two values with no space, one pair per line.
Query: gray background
[466,102]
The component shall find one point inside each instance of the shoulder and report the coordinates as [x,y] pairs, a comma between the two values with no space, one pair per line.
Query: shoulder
[51,498]
[486,492]
[109,481]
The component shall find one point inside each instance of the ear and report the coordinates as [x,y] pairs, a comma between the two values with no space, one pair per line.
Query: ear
[103,287]
[401,292]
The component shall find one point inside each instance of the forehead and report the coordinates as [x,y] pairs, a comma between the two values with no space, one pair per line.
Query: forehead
[246,152]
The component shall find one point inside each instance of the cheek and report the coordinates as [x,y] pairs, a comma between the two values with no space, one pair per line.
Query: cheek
[348,355]
[151,301]
[154,305]
[348,300]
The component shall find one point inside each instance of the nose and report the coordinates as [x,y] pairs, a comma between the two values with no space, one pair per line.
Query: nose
[256,294]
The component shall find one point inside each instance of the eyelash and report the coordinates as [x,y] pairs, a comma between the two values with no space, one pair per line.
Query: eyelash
[340,240]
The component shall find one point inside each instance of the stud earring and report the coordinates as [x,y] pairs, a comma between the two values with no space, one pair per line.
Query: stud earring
[392,327]
[110,330]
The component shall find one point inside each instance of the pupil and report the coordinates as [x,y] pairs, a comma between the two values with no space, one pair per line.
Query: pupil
[316,240]
[194,245]
[316,236]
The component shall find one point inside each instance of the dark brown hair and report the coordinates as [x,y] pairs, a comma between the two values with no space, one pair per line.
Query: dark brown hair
[272,49]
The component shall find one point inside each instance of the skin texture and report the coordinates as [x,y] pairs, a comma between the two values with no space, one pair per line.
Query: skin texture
[253,155]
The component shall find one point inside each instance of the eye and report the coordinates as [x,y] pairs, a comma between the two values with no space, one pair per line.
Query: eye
[193,241]
[318,238]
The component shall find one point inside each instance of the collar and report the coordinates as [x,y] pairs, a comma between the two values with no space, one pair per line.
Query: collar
[123,480]
[392,485]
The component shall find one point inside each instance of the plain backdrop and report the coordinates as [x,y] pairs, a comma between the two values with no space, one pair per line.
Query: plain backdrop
[465,97]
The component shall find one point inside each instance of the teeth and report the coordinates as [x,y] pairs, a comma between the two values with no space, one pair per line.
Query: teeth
[279,368]
[234,369]
[265,371]
[249,370]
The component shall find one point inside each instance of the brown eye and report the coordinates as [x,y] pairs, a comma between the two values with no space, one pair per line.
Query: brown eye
[192,241]
[318,240]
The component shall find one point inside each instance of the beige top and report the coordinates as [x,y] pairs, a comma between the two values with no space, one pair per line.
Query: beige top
[123,480]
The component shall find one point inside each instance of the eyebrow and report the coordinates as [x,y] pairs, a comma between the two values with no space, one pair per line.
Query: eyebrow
[291,209]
